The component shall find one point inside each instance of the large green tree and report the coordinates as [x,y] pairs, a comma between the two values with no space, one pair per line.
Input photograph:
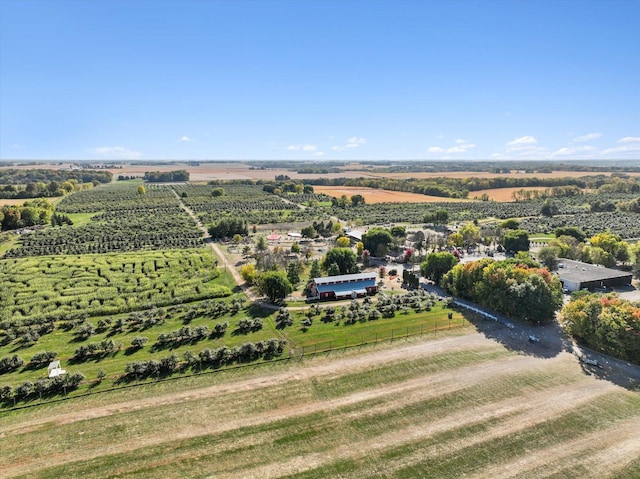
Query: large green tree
[377,240]
[344,258]
[516,240]
[274,285]
[436,265]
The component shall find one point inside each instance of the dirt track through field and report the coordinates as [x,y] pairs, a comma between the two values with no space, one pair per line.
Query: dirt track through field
[512,414]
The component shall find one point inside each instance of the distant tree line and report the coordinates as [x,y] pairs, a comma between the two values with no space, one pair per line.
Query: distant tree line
[41,189]
[166,176]
[12,176]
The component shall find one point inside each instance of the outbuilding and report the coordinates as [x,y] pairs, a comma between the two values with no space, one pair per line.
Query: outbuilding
[344,286]
[576,275]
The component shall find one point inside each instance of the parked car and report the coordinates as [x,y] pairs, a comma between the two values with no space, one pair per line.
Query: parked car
[534,339]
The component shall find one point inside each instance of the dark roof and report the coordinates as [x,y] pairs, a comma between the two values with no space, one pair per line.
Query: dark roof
[579,272]
[343,278]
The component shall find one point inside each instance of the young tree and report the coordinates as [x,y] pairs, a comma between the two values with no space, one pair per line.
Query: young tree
[343,242]
[249,273]
[316,271]
[141,190]
[293,273]
[261,244]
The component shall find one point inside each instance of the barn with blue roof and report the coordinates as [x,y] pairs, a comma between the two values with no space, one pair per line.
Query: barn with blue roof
[344,286]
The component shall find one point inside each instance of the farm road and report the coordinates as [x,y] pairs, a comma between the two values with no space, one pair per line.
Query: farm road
[553,341]
[216,249]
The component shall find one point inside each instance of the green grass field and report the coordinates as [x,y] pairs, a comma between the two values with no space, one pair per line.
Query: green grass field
[450,407]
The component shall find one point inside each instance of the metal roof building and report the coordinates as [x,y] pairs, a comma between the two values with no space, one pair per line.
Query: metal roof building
[576,275]
[344,286]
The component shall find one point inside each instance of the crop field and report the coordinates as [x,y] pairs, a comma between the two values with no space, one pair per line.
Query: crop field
[503,194]
[121,220]
[455,406]
[13,201]
[245,201]
[373,196]
[53,287]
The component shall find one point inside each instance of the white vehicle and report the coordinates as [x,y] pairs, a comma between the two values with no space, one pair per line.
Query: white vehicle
[534,339]
[590,362]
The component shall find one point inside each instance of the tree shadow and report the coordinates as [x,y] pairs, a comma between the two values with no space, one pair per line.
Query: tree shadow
[552,342]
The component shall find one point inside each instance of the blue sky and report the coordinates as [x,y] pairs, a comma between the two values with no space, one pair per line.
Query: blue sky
[315,80]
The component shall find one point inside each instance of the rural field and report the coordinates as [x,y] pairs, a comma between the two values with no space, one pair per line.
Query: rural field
[454,406]
[374,196]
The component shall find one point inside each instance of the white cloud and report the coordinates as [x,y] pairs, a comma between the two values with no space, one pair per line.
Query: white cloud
[302,148]
[623,149]
[115,152]
[319,153]
[435,149]
[629,139]
[353,142]
[439,137]
[573,150]
[461,148]
[587,137]
[455,149]
[523,140]
[186,139]
[524,144]
[459,140]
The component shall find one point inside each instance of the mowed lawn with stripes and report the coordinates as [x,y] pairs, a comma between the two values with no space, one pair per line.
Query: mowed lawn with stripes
[452,406]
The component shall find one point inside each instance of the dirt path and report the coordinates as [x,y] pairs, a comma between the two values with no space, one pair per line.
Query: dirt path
[218,252]
[305,370]
[537,408]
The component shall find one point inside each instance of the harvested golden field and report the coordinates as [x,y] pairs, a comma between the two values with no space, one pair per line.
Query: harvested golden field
[10,202]
[503,194]
[373,195]
[226,171]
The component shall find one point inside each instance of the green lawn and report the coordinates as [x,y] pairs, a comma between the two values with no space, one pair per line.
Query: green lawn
[474,411]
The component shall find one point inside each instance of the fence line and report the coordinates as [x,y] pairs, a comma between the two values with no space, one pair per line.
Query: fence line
[296,354]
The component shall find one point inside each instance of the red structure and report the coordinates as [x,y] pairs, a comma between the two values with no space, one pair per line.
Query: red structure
[345,286]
